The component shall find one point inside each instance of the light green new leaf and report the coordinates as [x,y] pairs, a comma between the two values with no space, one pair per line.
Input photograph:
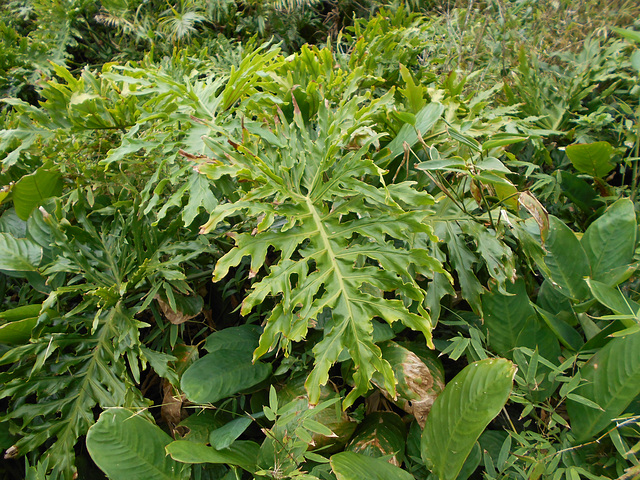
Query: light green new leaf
[356,466]
[31,190]
[591,158]
[566,260]
[610,241]
[240,453]
[462,412]
[126,446]
[612,381]
[18,254]
[221,374]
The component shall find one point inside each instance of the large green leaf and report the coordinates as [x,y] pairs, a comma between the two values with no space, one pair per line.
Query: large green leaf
[611,380]
[462,412]
[419,374]
[18,330]
[221,374]
[610,241]
[29,192]
[566,260]
[381,434]
[591,158]
[356,466]
[511,321]
[126,446]
[240,453]
[18,254]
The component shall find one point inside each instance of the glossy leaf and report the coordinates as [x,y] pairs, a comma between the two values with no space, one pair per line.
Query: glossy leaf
[610,241]
[425,120]
[356,466]
[611,380]
[462,412]
[616,301]
[127,446]
[224,436]
[221,374]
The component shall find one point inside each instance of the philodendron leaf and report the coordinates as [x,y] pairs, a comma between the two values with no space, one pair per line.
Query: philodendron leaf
[591,158]
[566,260]
[221,374]
[462,412]
[126,446]
[611,380]
[610,241]
[340,238]
[356,466]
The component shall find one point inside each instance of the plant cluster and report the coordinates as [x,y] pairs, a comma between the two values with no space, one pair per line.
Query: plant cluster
[408,253]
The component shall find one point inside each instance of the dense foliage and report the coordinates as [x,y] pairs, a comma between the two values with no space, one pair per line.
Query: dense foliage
[420,220]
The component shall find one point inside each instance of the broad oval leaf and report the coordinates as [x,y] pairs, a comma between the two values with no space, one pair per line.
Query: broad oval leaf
[566,261]
[240,453]
[242,338]
[18,254]
[381,434]
[356,466]
[31,190]
[221,374]
[18,331]
[462,412]
[612,381]
[128,447]
[419,374]
[610,241]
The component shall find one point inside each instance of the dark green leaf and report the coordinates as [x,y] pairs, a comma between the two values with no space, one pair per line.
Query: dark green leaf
[221,374]
[591,158]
